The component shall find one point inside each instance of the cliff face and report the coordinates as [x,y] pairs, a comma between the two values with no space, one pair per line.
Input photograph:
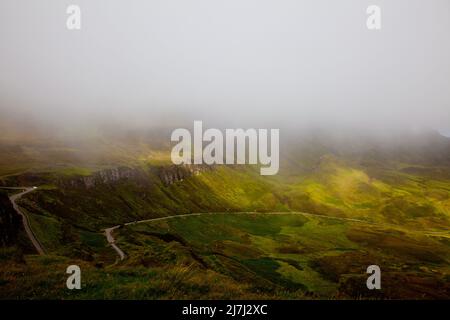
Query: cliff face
[167,175]
[107,176]
[9,221]
[171,174]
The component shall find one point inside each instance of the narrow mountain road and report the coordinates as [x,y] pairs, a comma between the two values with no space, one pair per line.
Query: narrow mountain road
[26,223]
[112,241]
[109,231]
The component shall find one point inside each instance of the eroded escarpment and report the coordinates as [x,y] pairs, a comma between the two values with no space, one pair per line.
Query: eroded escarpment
[167,175]
[103,177]
[174,173]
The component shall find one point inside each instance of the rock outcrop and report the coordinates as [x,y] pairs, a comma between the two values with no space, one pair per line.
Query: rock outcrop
[174,173]
[167,174]
[107,176]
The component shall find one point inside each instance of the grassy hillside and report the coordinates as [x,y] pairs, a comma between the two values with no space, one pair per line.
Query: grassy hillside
[226,256]
[320,257]
[399,202]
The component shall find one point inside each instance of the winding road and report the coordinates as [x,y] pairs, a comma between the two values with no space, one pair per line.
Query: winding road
[26,223]
[112,241]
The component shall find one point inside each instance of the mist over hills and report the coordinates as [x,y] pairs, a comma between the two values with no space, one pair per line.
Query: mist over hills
[85,123]
[26,145]
[374,198]
[344,197]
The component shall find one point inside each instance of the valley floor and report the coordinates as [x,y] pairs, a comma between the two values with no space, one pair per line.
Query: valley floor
[247,256]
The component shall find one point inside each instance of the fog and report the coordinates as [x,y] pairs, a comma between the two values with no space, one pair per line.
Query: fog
[274,63]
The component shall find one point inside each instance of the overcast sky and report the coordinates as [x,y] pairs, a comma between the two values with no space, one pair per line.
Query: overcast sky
[231,61]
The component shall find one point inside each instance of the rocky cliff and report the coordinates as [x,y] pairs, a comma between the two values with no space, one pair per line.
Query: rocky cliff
[175,173]
[167,175]
[107,176]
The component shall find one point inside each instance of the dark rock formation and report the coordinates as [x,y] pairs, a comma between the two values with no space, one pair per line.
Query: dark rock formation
[108,176]
[167,174]
[9,221]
